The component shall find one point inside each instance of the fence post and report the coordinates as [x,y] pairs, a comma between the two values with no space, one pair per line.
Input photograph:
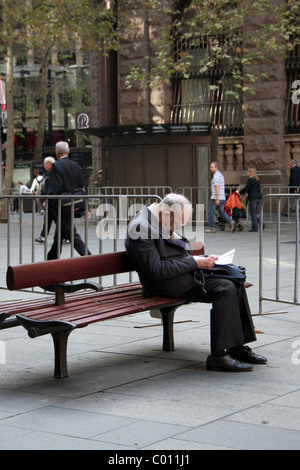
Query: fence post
[277,298]
[2,352]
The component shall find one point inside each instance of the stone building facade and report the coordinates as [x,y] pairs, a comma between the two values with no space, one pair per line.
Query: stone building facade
[264,143]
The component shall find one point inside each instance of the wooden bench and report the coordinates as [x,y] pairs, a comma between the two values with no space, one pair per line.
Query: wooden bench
[70,309]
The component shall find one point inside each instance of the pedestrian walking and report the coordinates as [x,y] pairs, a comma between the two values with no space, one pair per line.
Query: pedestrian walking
[48,162]
[217,200]
[23,189]
[66,178]
[254,197]
[294,182]
[36,189]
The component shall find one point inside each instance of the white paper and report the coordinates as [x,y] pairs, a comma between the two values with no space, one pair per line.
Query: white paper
[226,258]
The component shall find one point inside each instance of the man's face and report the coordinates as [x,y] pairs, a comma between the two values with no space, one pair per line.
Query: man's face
[173,220]
[213,168]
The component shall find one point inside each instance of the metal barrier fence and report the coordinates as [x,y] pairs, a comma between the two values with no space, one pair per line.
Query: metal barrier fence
[106,211]
[279,270]
[160,191]
[102,228]
[201,195]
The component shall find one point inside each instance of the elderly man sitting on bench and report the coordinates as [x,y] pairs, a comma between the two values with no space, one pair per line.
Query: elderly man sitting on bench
[165,268]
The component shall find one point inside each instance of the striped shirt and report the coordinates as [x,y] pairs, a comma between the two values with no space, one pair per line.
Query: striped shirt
[218,180]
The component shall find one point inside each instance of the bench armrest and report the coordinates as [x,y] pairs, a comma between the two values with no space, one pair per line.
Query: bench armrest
[37,328]
[61,289]
[67,288]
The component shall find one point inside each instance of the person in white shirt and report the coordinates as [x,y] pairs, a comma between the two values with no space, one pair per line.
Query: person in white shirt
[23,188]
[36,189]
[217,200]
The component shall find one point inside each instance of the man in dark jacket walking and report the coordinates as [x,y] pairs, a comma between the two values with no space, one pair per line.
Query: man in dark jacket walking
[66,178]
[294,185]
[294,182]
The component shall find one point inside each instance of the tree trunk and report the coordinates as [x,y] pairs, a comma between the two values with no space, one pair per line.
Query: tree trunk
[42,110]
[96,177]
[10,151]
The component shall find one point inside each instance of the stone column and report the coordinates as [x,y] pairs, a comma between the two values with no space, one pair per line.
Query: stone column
[95,113]
[133,52]
[142,104]
[229,152]
[239,153]
[264,113]
[264,120]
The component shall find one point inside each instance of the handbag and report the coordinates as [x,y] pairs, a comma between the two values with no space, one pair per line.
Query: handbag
[236,274]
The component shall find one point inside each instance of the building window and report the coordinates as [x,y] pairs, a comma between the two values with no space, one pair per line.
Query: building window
[206,96]
[293,98]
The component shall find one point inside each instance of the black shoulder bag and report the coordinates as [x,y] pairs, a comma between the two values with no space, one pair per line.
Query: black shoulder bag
[236,274]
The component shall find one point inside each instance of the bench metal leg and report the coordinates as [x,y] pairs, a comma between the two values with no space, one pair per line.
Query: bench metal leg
[7,321]
[3,317]
[167,315]
[59,331]
[60,342]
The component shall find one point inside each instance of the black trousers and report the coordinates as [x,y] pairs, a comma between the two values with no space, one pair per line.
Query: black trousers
[65,234]
[50,220]
[231,320]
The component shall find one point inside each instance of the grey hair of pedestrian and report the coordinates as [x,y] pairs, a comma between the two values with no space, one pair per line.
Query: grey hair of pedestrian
[49,160]
[62,148]
[293,161]
[175,201]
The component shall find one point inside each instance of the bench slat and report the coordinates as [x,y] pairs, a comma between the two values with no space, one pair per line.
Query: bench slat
[89,311]
[80,302]
[121,312]
[33,304]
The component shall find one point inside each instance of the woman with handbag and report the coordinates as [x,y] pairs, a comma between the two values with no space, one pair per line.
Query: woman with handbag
[254,197]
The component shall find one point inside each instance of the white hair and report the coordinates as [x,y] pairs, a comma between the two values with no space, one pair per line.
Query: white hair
[175,201]
[62,148]
[49,160]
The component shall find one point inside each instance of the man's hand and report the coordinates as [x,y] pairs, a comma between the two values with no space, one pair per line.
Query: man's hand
[206,261]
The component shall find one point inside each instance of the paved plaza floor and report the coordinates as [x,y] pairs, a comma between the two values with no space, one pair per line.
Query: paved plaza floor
[125,394]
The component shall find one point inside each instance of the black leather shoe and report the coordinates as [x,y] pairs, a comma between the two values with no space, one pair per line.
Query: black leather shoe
[226,364]
[245,354]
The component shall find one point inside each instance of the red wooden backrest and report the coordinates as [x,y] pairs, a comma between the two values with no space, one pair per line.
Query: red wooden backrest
[71,269]
[64,270]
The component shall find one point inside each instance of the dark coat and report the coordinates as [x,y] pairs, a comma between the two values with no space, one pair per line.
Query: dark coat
[164,267]
[294,178]
[66,176]
[252,188]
